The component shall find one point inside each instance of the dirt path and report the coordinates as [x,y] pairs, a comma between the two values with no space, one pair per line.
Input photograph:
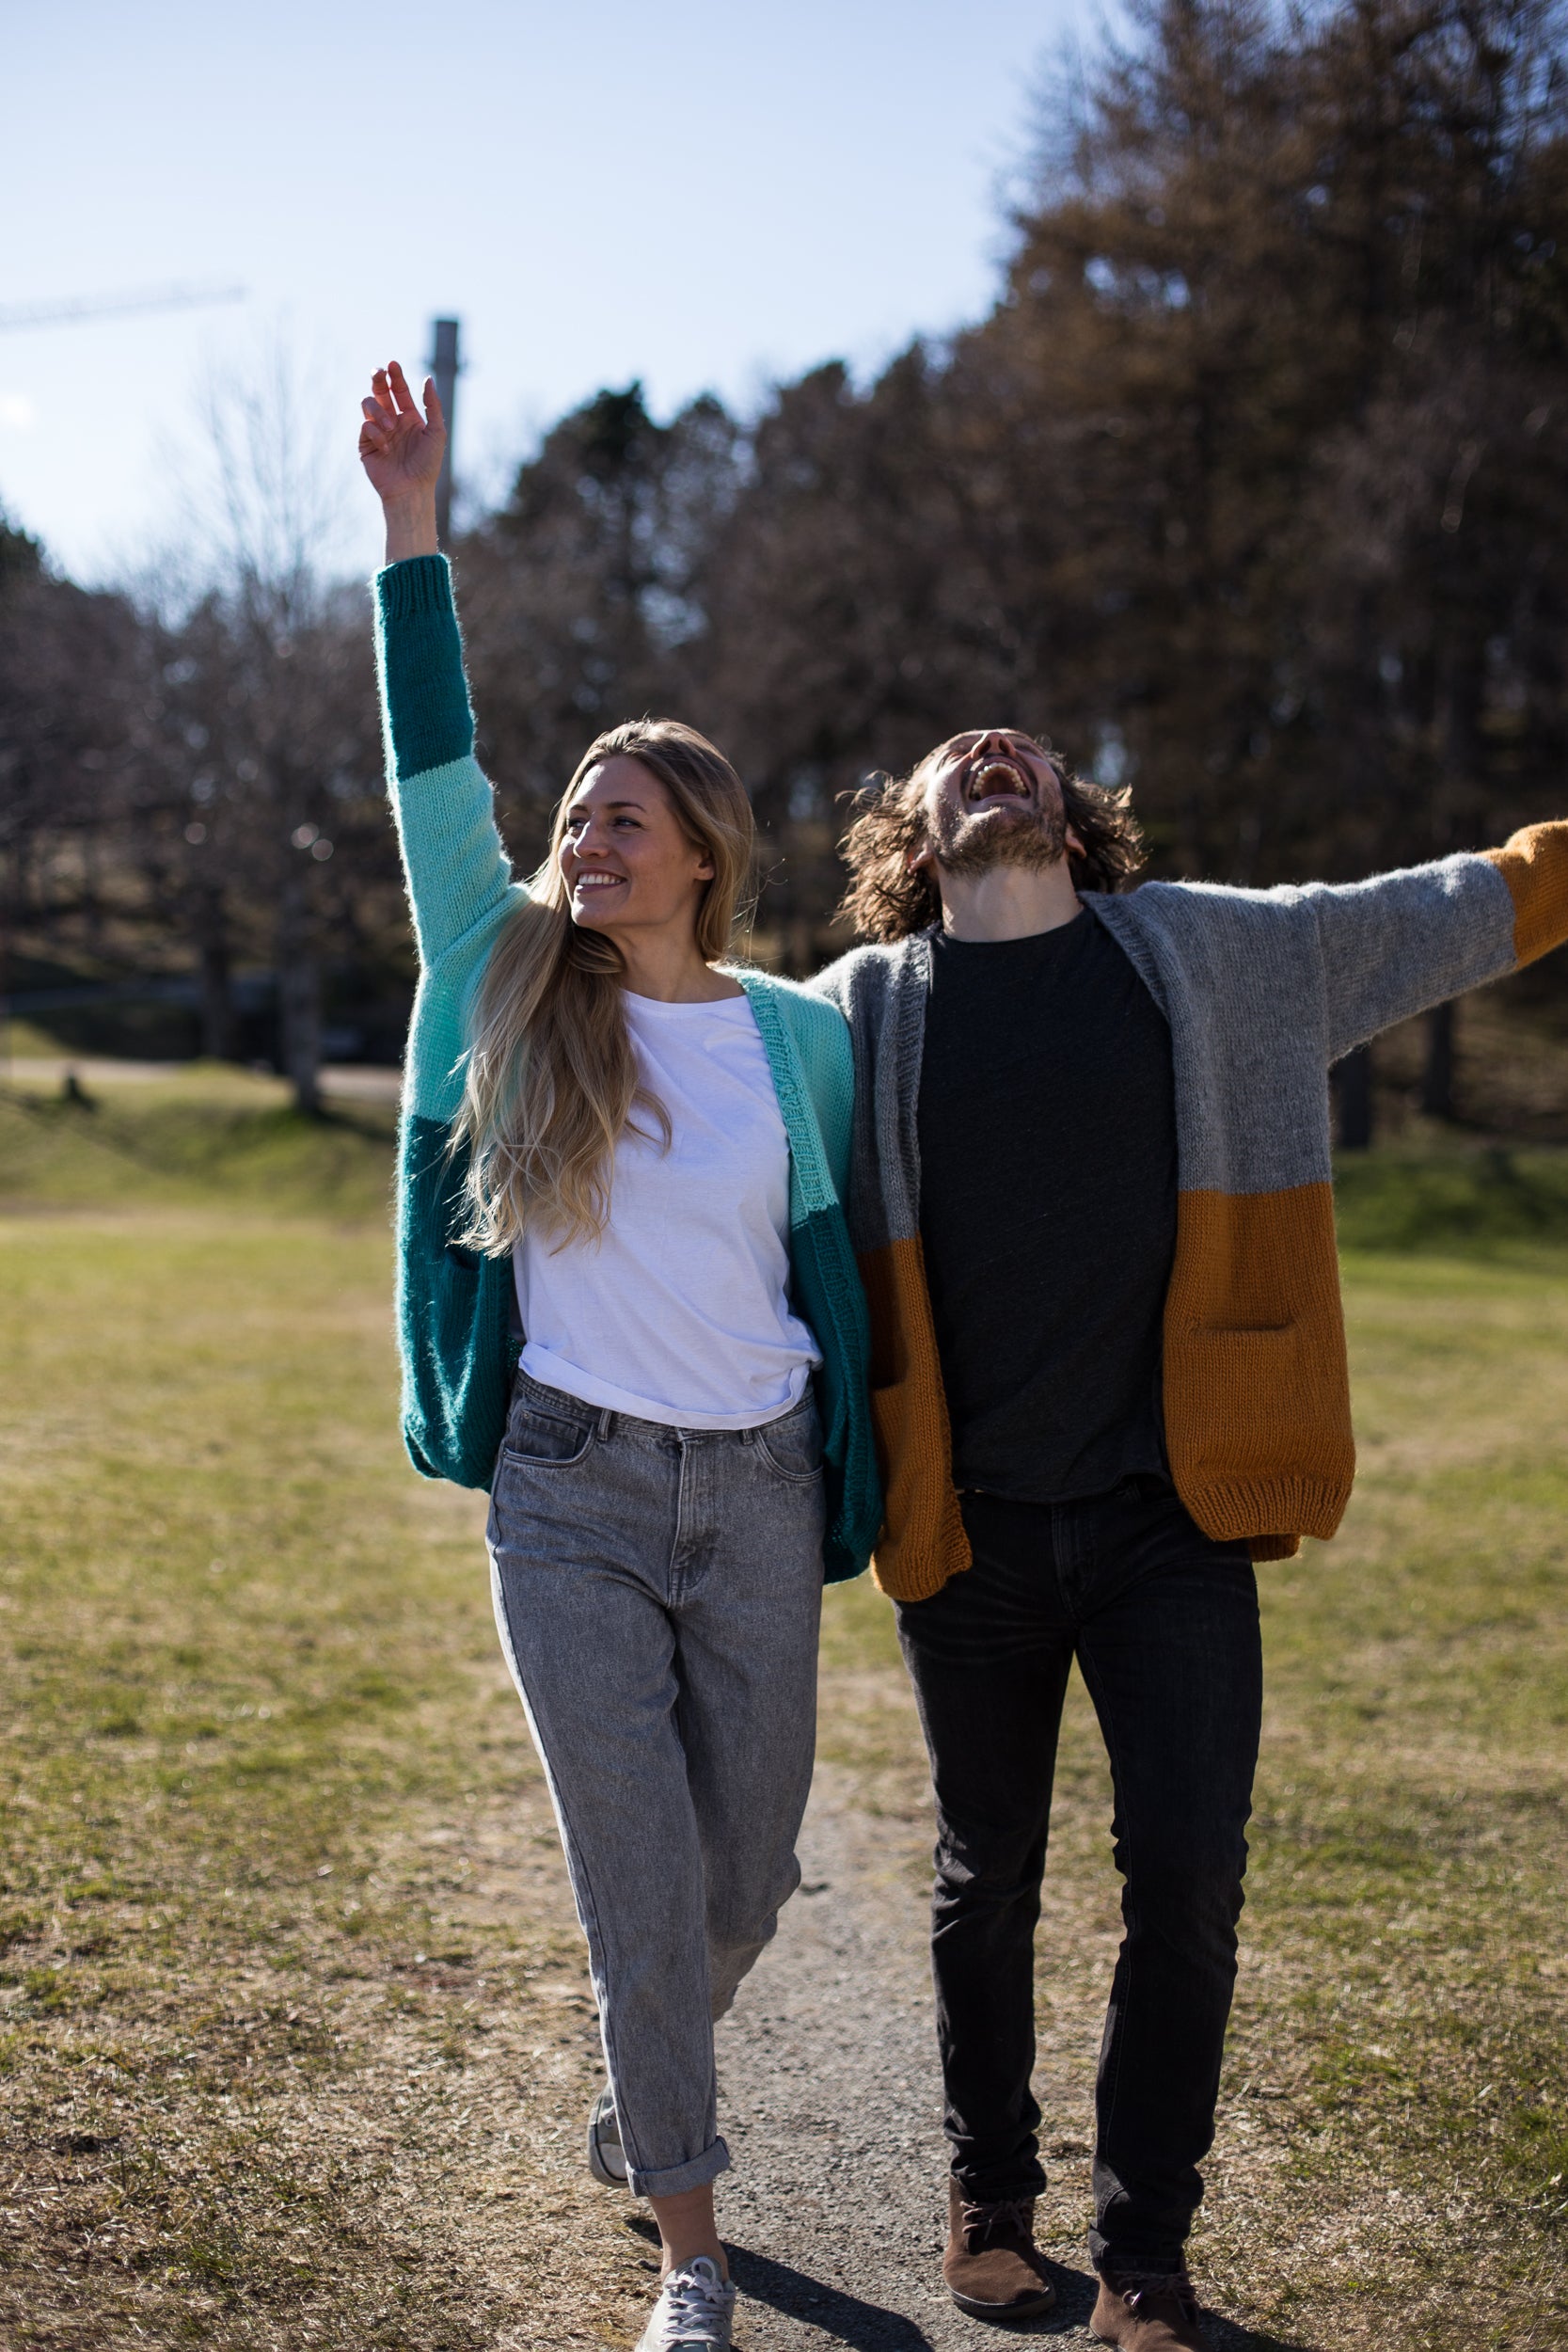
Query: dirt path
[830,2104]
[365,1082]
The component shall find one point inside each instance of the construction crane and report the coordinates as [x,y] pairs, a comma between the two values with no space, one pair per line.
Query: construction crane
[444,362]
[15,316]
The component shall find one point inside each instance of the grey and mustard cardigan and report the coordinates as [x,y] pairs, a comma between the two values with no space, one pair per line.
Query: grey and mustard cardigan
[1263,991]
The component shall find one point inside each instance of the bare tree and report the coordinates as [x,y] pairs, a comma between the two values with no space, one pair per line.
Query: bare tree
[271,709]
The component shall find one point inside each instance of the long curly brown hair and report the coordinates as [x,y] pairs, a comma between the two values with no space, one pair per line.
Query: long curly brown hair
[888,898]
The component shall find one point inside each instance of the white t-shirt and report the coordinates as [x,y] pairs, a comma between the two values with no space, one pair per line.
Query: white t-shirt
[681,1314]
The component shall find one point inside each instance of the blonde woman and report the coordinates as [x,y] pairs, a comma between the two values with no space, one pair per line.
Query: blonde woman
[628,1304]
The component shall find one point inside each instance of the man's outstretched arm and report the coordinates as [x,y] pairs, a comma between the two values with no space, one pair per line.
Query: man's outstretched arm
[1400,943]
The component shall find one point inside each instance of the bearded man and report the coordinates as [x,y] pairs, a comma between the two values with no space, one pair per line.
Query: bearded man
[1093,1207]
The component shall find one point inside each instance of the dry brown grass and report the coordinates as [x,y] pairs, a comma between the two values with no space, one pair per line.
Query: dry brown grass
[296,2027]
[295,2031]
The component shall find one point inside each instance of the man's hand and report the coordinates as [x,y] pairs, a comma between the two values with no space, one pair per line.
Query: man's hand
[402,453]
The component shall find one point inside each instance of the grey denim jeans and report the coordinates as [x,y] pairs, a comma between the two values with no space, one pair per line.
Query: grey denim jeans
[658,1592]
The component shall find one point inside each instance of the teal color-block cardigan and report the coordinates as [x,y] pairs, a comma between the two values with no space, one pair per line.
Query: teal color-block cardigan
[454,1308]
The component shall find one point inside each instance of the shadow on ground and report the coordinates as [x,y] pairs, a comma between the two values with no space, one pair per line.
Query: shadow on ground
[846,2318]
[864,2326]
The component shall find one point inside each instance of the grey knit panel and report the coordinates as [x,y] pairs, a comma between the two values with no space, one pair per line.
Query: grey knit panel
[1264,989]
[881,993]
[1239,976]
[1401,941]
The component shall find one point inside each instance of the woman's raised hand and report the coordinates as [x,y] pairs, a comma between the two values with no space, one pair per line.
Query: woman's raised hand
[401,451]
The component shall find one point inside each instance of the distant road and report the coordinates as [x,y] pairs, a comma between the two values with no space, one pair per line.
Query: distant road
[365,1082]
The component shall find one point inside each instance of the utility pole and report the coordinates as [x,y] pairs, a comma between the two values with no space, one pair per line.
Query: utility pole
[443,367]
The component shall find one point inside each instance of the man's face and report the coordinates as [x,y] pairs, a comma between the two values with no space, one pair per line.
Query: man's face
[993,799]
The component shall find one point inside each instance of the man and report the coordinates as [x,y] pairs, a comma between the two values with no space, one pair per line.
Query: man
[1093,1207]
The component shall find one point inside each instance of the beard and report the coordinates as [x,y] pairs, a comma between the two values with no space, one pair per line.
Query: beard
[964,844]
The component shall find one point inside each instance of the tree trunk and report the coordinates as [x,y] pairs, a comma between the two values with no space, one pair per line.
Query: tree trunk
[1354,1084]
[217,1008]
[298,1000]
[1438,1073]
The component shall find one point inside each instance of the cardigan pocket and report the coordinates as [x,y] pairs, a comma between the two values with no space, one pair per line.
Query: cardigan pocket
[1264,1401]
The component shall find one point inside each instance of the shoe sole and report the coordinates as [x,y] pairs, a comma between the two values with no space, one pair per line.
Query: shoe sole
[1008,2314]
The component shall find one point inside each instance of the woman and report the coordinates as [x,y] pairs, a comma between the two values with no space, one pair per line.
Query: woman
[627,1303]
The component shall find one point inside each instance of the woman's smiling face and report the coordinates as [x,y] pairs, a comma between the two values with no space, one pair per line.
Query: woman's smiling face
[624,856]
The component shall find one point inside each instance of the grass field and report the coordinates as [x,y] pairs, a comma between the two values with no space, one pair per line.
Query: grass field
[292,2014]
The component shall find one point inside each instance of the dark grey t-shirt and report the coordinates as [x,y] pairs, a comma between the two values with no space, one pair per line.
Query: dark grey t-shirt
[1047,1131]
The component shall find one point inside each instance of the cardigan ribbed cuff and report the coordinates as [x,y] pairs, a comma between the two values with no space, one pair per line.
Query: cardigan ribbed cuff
[418,583]
[420,657]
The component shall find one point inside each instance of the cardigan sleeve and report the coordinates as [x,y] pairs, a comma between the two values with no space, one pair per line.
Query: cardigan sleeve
[457,872]
[1400,943]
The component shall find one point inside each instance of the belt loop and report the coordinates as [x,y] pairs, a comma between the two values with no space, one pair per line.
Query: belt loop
[607,1421]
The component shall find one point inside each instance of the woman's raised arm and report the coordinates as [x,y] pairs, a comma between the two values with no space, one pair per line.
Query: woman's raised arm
[402,453]
[459,879]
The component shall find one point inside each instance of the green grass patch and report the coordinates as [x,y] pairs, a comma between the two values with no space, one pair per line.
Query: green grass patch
[199,1136]
[280,1871]
[289,1991]
[1484,1199]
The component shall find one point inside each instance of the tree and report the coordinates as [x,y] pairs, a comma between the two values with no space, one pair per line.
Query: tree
[271,754]
[582,596]
[863,605]
[73,725]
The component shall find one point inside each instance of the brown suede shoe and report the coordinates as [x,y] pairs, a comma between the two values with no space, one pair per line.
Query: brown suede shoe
[1145,2312]
[991,2265]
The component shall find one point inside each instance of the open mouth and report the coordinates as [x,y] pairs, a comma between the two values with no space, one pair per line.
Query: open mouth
[996,778]
[598,881]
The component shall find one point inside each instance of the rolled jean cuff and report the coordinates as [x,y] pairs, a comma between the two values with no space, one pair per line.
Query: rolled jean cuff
[676,2179]
[1158,2261]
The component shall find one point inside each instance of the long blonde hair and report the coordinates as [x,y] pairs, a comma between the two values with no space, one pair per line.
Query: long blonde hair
[551,1080]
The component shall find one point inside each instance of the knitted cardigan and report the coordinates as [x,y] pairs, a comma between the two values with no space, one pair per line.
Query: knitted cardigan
[453,1307]
[1263,990]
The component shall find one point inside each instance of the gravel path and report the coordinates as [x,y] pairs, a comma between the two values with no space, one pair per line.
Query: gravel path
[832,2107]
[830,2103]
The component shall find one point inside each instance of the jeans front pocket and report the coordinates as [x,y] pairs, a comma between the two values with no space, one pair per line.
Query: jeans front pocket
[537,1439]
[792,1446]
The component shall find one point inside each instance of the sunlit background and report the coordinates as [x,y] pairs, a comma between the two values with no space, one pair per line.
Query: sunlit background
[1207,408]
[1186,383]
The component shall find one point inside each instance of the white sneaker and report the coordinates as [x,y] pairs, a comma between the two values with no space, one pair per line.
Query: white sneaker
[694,2308]
[607,2158]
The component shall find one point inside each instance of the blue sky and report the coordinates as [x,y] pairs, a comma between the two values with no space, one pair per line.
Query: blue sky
[703,194]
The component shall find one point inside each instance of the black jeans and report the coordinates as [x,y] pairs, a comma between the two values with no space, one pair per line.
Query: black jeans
[1164,1623]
